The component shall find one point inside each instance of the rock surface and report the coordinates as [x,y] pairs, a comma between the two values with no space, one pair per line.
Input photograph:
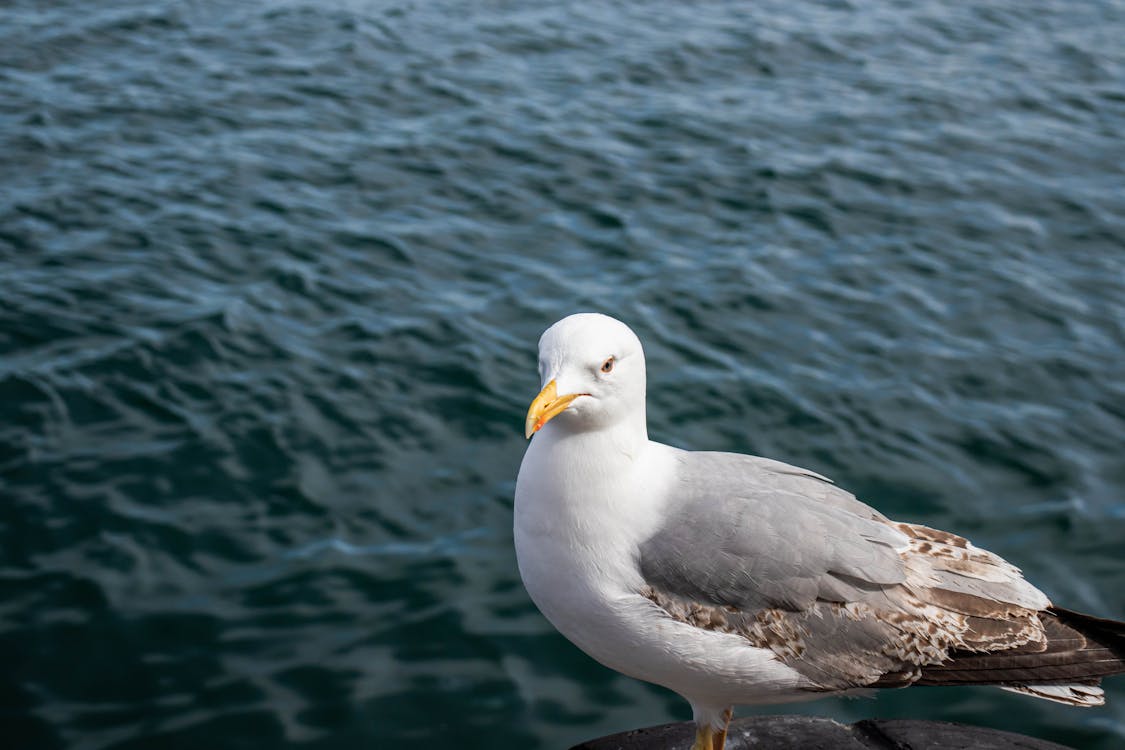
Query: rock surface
[812,733]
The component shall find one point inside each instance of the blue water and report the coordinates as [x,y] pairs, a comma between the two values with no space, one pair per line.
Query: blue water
[272,274]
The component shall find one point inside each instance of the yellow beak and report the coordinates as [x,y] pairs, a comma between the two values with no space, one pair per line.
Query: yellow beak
[546,406]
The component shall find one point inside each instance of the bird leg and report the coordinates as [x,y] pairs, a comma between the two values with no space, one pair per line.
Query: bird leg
[720,738]
[703,735]
[708,738]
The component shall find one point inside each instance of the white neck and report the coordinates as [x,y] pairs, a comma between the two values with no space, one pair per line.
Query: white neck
[570,459]
[572,484]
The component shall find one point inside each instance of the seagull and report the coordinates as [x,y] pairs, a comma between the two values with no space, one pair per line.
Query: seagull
[733,579]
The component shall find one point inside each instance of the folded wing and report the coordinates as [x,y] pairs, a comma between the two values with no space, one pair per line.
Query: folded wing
[850,599]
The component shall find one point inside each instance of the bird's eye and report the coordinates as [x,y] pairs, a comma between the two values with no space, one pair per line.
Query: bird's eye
[607,366]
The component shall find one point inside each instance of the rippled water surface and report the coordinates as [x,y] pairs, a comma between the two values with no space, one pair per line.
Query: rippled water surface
[272,274]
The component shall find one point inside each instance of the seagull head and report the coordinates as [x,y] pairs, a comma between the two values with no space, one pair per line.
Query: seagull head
[592,369]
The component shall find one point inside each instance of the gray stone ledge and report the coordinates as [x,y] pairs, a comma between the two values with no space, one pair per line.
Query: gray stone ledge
[812,733]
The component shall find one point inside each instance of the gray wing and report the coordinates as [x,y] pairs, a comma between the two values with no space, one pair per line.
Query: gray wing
[752,533]
[845,596]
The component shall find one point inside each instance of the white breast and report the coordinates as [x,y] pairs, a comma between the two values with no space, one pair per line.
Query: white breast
[576,534]
[578,523]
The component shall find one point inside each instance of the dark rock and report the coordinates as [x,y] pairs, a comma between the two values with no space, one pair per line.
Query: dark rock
[812,733]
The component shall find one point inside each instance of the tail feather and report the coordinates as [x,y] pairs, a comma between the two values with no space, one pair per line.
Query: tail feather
[1083,696]
[1110,631]
[1066,666]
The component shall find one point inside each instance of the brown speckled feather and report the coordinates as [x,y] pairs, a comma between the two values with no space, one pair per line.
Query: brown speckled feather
[850,599]
[1076,647]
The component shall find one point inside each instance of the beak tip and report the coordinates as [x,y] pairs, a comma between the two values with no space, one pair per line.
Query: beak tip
[546,406]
